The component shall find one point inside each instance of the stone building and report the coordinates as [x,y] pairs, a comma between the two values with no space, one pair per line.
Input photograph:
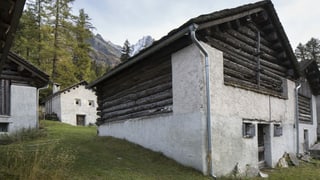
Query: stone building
[75,105]
[218,92]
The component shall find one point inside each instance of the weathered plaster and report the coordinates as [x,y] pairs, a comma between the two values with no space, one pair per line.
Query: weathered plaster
[179,135]
[182,134]
[67,110]
[230,106]
[310,127]
[23,112]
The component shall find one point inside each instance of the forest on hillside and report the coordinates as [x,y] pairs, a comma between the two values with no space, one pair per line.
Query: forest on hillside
[56,41]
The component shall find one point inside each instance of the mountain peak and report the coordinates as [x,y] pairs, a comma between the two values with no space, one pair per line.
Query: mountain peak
[107,52]
[143,43]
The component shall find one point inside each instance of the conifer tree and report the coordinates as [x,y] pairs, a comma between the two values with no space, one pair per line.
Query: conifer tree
[81,58]
[56,41]
[125,51]
[26,36]
[309,51]
[62,37]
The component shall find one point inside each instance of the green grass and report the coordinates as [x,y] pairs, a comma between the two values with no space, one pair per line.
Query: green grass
[68,152]
[87,156]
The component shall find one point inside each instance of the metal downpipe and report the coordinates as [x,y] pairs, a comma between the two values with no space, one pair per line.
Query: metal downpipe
[194,39]
[297,115]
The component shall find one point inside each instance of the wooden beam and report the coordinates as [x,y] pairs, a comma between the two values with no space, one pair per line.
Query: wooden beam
[231,81]
[252,42]
[236,24]
[243,51]
[145,113]
[151,106]
[144,100]
[261,17]
[133,96]
[229,18]
[165,78]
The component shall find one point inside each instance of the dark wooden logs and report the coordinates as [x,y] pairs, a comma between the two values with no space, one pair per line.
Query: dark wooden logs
[144,89]
[220,44]
[144,113]
[165,78]
[239,47]
[137,100]
[149,106]
[252,41]
[231,81]
[305,112]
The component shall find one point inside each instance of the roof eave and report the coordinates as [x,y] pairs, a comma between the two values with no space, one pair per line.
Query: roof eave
[31,68]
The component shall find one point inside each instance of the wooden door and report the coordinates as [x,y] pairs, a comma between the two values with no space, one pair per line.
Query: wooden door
[81,120]
[261,145]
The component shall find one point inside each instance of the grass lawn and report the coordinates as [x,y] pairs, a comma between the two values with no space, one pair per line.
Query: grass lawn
[68,152]
[83,155]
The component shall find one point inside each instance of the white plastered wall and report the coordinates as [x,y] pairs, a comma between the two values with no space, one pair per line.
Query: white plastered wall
[230,105]
[180,134]
[310,127]
[69,110]
[23,108]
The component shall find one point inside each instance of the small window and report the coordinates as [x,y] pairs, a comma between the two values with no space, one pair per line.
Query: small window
[4,127]
[248,130]
[277,130]
[91,103]
[78,102]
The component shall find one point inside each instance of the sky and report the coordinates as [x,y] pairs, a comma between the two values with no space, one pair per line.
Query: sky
[118,20]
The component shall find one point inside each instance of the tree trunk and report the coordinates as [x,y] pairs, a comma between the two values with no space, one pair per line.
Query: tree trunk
[55,43]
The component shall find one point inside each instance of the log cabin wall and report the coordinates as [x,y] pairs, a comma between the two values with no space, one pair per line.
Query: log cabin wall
[305,103]
[254,58]
[143,89]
